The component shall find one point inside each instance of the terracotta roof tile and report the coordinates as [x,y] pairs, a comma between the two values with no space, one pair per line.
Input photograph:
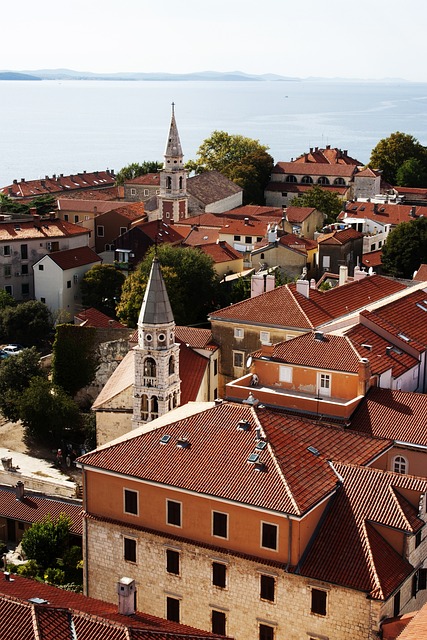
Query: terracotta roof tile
[195,337]
[94,318]
[398,415]
[220,252]
[198,236]
[59,184]
[71,205]
[160,231]
[327,155]
[382,213]
[298,214]
[421,274]
[339,236]
[192,368]
[44,229]
[211,186]
[150,179]
[315,169]
[372,259]
[416,628]
[108,193]
[296,242]
[72,258]
[131,210]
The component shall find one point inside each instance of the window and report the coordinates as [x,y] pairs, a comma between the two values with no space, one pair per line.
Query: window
[7,270]
[400,465]
[324,384]
[6,250]
[238,359]
[269,536]
[76,218]
[318,601]
[218,622]
[239,333]
[418,538]
[172,609]
[264,337]
[41,267]
[266,632]
[219,524]
[43,300]
[237,238]
[323,180]
[267,588]
[9,289]
[68,284]
[339,181]
[172,561]
[173,513]
[66,217]
[291,178]
[132,191]
[285,374]
[100,231]
[396,605]
[24,269]
[75,279]
[306,180]
[248,239]
[131,501]
[129,549]
[326,262]
[122,230]
[219,574]
[259,238]
[215,367]
[146,192]
[24,252]
[25,289]
[372,247]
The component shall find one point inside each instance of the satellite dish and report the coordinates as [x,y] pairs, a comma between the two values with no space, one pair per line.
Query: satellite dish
[248,362]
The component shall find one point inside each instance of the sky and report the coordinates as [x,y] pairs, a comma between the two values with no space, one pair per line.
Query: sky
[366,39]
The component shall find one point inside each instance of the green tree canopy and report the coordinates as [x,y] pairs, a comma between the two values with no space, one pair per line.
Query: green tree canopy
[191,283]
[243,160]
[134,170]
[47,540]
[390,154]
[326,202]
[27,323]
[412,173]
[101,288]
[75,360]
[16,373]
[6,300]
[406,248]
[42,204]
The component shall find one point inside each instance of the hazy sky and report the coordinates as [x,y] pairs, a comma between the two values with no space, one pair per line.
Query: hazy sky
[329,38]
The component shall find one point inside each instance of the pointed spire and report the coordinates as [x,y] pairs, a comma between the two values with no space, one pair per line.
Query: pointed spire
[173,144]
[155,308]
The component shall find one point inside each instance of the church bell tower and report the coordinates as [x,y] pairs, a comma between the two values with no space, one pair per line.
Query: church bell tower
[157,383]
[173,199]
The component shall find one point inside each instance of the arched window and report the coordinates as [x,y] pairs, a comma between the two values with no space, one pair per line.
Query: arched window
[171,365]
[175,399]
[144,407]
[180,182]
[339,181]
[150,368]
[323,180]
[168,182]
[400,465]
[306,180]
[154,407]
[290,179]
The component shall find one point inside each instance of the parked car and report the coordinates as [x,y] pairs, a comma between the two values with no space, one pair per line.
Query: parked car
[12,349]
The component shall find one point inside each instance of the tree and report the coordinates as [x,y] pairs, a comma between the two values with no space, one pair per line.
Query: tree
[28,322]
[101,288]
[47,540]
[47,412]
[16,374]
[191,283]
[405,248]
[134,170]
[390,154]
[412,173]
[324,201]
[75,358]
[243,160]
[6,300]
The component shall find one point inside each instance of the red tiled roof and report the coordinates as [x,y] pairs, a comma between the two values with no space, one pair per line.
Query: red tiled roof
[71,205]
[328,155]
[94,318]
[160,231]
[298,214]
[192,368]
[339,237]
[399,415]
[59,184]
[421,274]
[296,242]
[220,252]
[254,227]
[368,173]
[375,350]
[108,193]
[254,211]
[198,236]
[331,352]
[364,504]
[195,337]
[72,258]
[33,508]
[44,229]
[372,259]
[315,169]
[285,307]
[150,179]
[382,213]
[131,210]
[67,615]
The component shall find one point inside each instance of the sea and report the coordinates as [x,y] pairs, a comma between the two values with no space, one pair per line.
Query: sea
[52,127]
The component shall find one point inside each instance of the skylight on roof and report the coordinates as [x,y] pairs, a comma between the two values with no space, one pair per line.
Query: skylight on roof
[243,425]
[367,346]
[261,445]
[183,443]
[403,337]
[313,450]
[254,457]
[420,306]
[165,439]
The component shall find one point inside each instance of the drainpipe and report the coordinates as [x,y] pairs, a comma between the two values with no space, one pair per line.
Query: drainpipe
[289,543]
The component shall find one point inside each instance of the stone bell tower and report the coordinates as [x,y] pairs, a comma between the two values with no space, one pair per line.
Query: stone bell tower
[157,386]
[173,199]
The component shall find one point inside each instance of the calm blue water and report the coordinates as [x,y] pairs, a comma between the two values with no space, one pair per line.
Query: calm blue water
[64,127]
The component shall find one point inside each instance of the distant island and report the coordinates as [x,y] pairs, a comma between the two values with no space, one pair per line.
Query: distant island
[14,75]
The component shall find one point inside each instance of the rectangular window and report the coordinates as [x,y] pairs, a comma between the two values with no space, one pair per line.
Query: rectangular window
[237,238]
[324,384]
[219,524]
[264,337]
[146,192]
[215,367]
[7,270]
[9,289]
[173,513]
[75,279]
[24,252]
[267,587]
[172,561]
[318,601]
[239,333]
[122,230]
[326,262]
[248,239]
[285,374]
[129,549]
[132,191]
[219,574]
[238,359]
[6,250]
[76,218]
[43,300]
[266,632]
[218,622]
[68,284]
[100,231]
[131,502]
[372,247]
[41,267]
[66,217]
[24,269]
[269,536]
[172,609]
[25,289]
[396,605]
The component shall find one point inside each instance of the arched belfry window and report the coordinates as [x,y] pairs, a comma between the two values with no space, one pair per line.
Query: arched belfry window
[150,368]
[168,182]
[144,407]
[171,365]
[154,406]
[180,182]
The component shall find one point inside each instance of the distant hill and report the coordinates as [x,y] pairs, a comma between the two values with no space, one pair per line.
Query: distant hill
[14,75]
[69,74]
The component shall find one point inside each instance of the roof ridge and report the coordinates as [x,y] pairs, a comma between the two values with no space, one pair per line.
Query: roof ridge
[367,548]
[292,293]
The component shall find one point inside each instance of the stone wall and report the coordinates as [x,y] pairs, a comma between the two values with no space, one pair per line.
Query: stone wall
[350,614]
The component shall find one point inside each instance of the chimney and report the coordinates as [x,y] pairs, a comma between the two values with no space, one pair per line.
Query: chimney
[388,350]
[343,276]
[267,350]
[303,287]
[22,179]
[359,273]
[412,212]
[311,149]
[313,284]
[33,211]
[52,215]
[15,181]
[20,488]
[364,376]
[246,221]
[345,152]
[126,592]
